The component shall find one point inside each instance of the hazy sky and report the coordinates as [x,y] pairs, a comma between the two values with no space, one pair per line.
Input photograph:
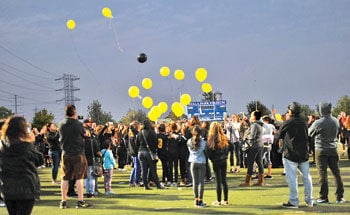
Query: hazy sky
[273,51]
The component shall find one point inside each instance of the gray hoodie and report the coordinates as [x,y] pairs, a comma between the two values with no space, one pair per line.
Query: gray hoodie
[325,129]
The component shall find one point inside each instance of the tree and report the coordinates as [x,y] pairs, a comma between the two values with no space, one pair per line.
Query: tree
[209,96]
[41,118]
[132,115]
[256,105]
[4,112]
[343,104]
[172,116]
[97,115]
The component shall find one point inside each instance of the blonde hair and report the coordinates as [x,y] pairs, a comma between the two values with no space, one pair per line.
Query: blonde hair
[216,137]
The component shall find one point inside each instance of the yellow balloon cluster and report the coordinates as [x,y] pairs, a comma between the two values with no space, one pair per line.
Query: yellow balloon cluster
[106,12]
[71,24]
[177,107]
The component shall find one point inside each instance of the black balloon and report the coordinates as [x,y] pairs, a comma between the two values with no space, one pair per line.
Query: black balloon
[142,58]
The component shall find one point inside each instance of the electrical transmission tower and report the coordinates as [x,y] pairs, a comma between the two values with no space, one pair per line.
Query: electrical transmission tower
[68,89]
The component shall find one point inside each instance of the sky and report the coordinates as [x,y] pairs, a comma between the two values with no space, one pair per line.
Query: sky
[272,51]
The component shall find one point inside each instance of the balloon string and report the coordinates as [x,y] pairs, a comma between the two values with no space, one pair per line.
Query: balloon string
[116,38]
[81,61]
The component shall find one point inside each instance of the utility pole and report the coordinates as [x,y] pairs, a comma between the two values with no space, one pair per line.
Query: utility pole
[16,104]
[68,89]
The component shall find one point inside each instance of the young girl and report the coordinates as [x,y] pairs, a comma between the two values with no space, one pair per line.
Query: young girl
[196,147]
[108,166]
[217,152]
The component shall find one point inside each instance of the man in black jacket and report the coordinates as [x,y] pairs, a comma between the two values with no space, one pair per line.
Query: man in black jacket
[294,135]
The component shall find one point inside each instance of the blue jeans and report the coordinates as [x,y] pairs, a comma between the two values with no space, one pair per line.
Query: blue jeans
[90,181]
[136,171]
[55,156]
[292,180]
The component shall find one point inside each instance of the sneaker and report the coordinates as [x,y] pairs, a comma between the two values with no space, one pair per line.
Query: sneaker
[201,204]
[289,205]
[216,203]
[63,204]
[110,193]
[268,177]
[322,201]
[340,201]
[224,203]
[82,204]
[310,204]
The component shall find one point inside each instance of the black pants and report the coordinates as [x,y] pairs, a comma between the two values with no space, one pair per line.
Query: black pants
[20,207]
[220,169]
[255,154]
[329,158]
[148,168]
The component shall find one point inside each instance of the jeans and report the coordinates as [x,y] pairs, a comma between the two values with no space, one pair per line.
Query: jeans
[198,175]
[255,154]
[136,171]
[324,159]
[90,181]
[292,180]
[55,156]
[220,168]
[148,168]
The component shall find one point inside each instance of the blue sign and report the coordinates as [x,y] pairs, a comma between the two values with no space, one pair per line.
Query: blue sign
[207,111]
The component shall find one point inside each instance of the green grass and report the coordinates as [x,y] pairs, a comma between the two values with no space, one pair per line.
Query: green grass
[251,200]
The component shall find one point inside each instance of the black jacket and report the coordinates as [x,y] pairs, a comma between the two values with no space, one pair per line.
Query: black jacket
[216,155]
[294,134]
[18,173]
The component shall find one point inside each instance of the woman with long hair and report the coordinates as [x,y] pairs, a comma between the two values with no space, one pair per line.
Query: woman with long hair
[196,147]
[19,159]
[217,152]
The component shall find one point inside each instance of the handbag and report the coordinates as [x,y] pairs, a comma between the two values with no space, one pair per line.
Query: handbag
[245,146]
[97,169]
[154,155]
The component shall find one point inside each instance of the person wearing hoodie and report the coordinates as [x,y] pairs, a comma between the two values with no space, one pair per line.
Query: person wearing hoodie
[196,147]
[325,131]
[255,153]
[295,148]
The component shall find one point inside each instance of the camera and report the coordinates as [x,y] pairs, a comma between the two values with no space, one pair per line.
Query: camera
[80,117]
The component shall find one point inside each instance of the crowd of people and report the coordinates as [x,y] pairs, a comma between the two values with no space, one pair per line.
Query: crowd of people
[183,149]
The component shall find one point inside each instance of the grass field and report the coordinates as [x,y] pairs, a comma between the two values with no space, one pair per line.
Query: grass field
[251,200]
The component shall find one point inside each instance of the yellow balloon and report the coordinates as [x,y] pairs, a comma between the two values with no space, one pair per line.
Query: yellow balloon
[106,12]
[164,71]
[134,91]
[177,109]
[179,75]
[201,74]
[147,83]
[185,99]
[206,87]
[147,102]
[163,107]
[278,117]
[71,24]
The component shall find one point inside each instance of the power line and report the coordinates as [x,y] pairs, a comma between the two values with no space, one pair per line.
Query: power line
[26,79]
[26,61]
[21,86]
[24,72]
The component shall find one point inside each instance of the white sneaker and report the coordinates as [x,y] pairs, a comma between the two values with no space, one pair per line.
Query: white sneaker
[2,204]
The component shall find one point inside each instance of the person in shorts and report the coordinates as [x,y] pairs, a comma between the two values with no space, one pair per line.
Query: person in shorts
[73,162]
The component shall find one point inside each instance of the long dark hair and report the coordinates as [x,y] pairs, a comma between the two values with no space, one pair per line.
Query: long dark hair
[196,137]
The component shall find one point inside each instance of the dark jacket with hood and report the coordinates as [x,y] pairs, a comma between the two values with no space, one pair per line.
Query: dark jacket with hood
[151,137]
[325,129]
[18,171]
[295,139]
